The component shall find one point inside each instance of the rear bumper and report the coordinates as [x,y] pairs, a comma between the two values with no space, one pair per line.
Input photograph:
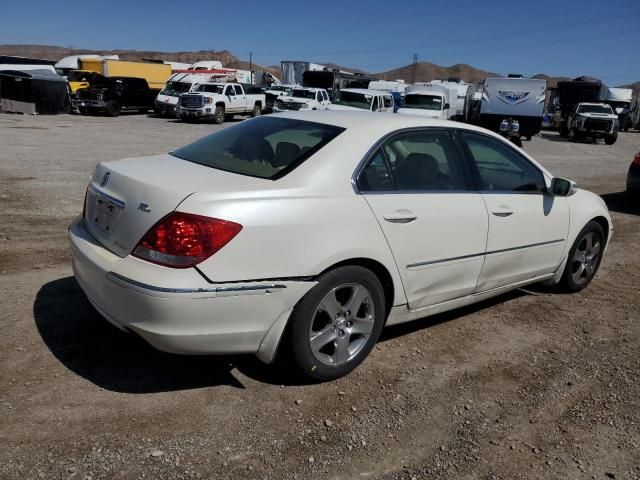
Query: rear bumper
[633,178]
[177,311]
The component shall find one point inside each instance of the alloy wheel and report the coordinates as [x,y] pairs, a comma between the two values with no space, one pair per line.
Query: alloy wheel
[342,324]
[586,258]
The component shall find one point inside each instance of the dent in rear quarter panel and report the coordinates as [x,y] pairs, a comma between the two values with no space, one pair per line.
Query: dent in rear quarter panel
[286,234]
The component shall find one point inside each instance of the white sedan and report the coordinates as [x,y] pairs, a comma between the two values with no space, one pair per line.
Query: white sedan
[306,233]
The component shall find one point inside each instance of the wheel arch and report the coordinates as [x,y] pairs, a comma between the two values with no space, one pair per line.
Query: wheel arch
[221,104]
[604,223]
[379,270]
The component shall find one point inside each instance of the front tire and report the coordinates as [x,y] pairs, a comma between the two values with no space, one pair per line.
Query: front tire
[218,116]
[112,108]
[336,324]
[611,139]
[584,258]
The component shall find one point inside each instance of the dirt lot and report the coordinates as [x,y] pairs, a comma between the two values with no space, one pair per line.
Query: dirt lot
[529,385]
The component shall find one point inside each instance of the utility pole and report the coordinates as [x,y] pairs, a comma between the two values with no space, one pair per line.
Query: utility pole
[414,68]
[251,66]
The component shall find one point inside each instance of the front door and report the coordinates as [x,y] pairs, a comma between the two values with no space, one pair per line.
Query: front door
[436,225]
[527,226]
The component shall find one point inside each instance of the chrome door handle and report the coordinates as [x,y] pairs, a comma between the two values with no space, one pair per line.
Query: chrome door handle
[502,213]
[399,219]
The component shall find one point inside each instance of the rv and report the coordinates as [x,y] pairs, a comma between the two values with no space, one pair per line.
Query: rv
[292,70]
[464,96]
[431,101]
[515,99]
[24,64]
[620,101]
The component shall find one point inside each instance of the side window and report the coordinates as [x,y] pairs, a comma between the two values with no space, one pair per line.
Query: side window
[374,106]
[229,91]
[501,168]
[319,96]
[416,161]
[238,89]
[324,94]
[387,101]
[375,177]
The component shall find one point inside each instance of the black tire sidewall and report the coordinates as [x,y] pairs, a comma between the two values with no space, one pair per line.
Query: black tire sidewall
[112,108]
[302,316]
[218,116]
[567,283]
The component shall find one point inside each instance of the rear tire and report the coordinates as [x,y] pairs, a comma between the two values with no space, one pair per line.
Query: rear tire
[218,116]
[336,324]
[257,111]
[584,258]
[112,108]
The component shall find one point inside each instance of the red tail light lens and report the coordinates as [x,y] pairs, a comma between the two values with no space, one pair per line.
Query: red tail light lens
[636,159]
[182,240]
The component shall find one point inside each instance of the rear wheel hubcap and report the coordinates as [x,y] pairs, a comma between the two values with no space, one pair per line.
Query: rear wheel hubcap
[342,324]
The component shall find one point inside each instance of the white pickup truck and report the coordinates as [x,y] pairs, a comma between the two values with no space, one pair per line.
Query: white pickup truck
[302,99]
[593,120]
[218,101]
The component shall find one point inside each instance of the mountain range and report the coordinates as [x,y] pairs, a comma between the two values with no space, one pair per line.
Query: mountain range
[419,72]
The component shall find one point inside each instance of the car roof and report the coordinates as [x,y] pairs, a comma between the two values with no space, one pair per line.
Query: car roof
[351,119]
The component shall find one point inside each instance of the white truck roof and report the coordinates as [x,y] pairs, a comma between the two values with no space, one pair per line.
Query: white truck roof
[365,91]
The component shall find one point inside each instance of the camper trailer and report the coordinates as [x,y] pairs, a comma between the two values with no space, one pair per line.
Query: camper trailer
[34,92]
[464,96]
[515,99]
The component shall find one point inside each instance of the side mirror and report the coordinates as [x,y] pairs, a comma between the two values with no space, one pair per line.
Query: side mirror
[447,106]
[561,187]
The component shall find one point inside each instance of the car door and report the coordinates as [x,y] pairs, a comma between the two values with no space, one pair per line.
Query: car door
[420,191]
[230,93]
[527,226]
[240,99]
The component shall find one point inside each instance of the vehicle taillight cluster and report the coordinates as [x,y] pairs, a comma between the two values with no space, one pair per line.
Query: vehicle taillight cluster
[636,159]
[182,240]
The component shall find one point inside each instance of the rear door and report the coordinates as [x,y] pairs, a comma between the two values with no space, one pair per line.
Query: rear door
[420,191]
[527,226]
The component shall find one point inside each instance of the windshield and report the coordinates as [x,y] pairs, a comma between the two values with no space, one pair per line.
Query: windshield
[304,94]
[353,99]
[424,102]
[265,147]
[210,88]
[80,76]
[595,109]
[174,89]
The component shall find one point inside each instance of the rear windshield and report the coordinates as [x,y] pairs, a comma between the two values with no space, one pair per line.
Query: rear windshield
[264,147]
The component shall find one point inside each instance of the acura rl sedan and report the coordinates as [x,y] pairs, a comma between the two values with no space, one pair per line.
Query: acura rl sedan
[305,233]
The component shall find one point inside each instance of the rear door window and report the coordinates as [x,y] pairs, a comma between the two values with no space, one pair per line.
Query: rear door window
[265,147]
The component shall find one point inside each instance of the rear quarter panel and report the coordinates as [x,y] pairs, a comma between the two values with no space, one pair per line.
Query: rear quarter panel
[288,234]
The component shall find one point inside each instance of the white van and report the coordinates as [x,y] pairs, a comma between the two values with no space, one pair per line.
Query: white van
[431,101]
[362,99]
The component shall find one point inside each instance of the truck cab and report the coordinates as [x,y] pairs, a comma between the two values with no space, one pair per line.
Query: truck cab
[592,120]
[430,101]
[303,99]
[115,95]
[362,99]
[218,101]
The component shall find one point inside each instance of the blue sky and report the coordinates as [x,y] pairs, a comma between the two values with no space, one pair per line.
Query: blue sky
[561,37]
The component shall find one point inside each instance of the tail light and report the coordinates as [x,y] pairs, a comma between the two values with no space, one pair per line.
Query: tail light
[636,159]
[182,240]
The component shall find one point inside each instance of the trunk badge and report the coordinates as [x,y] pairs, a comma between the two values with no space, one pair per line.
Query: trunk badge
[144,207]
[105,179]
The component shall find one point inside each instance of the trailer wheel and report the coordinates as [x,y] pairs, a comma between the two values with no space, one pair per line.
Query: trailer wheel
[112,108]
[611,139]
[218,116]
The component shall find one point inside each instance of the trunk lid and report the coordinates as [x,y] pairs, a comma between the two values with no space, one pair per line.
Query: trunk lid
[127,197]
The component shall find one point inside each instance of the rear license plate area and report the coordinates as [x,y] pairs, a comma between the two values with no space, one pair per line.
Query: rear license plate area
[104,215]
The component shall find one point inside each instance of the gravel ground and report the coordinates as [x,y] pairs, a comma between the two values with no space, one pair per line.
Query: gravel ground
[529,385]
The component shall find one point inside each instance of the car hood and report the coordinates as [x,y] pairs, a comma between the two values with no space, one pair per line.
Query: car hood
[334,106]
[598,115]
[419,112]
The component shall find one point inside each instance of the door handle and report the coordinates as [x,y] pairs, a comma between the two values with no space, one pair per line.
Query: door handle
[502,213]
[400,218]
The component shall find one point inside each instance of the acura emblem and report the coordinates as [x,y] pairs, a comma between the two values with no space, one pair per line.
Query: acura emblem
[105,179]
